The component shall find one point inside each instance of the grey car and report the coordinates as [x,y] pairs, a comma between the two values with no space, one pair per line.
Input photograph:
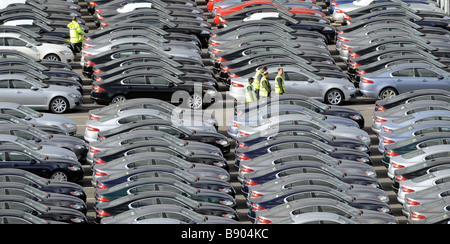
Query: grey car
[419,214]
[129,116]
[45,150]
[44,119]
[151,103]
[154,158]
[317,218]
[420,197]
[403,110]
[22,89]
[159,214]
[402,78]
[275,214]
[416,118]
[421,183]
[412,130]
[143,135]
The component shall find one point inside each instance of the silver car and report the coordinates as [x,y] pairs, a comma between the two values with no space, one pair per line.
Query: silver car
[417,156]
[402,78]
[142,135]
[255,116]
[32,93]
[316,218]
[299,81]
[421,183]
[39,119]
[298,119]
[419,214]
[404,110]
[155,158]
[43,149]
[420,197]
[416,118]
[409,131]
[129,116]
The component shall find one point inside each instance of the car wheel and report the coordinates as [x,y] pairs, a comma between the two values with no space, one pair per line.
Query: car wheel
[195,101]
[52,57]
[334,97]
[59,175]
[59,105]
[387,93]
[118,99]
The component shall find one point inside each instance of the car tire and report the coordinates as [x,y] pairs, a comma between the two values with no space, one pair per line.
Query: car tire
[59,105]
[59,175]
[118,99]
[195,101]
[388,92]
[52,57]
[334,97]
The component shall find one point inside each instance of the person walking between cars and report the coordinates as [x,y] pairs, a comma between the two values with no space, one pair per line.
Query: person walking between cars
[257,78]
[265,88]
[76,35]
[250,94]
[279,82]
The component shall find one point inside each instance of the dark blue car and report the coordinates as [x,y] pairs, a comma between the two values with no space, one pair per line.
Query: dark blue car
[301,192]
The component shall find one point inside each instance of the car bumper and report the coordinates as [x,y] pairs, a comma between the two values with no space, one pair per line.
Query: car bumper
[368,91]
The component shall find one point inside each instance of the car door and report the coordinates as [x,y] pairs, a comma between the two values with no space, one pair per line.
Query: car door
[5,93]
[429,79]
[404,80]
[298,83]
[160,87]
[12,43]
[23,161]
[21,93]
[135,87]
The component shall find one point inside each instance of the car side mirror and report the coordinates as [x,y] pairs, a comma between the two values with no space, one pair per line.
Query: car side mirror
[34,88]
[440,77]
[27,118]
[37,140]
[33,161]
[171,84]
[28,45]
[310,80]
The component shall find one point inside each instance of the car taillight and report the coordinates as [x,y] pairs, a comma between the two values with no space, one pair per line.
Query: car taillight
[345,47]
[101,198]
[213,43]
[88,63]
[411,202]
[354,55]
[361,72]
[90,128]
[406,189]
[100,173]
[99,11]
[340,32]
[381,108]
[347,17]
[236,124]
[219,59]
[339,11]
[246,169]
[85,54]
[99,161]
[92,117]
[262,220]
[241,145]
[334,4]
[379,120]
[101,186]
[102,213]
[86,38]
[366,81]
[387,141]
[96,71]
[415,215]
[86,46]
[234,84]
[97,79]
[255,194]
[225,69]
[342,39]
[385,129]
[397,165]
[400,178]
[103,24]
[92,3]
[250,182]
[97,88]
[391,153]
[257,207]
[93,150]
[101,138]
[354,64]
[234,76]
[243,157]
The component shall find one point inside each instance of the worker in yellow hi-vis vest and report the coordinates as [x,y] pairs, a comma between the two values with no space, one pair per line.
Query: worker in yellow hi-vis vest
[250,94]
[76,35]
[265,88]
[257,78]
[279,82]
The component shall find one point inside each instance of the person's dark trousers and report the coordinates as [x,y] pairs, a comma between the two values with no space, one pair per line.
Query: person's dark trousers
[76,47]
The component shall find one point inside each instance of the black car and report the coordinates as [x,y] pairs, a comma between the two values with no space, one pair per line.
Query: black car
[42,196]
[160,146]
[41,165]
[49,213]
[212,138]
[77,145]
[20,176]
[155,84]
[104,209]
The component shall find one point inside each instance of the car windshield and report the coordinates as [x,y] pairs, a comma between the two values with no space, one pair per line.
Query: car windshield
[28,144]
[29,40]
[35,178]
[29,111]
[318,104]
[35,154]
[36,83]
[36,205]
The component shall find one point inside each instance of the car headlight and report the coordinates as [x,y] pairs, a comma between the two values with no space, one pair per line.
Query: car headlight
[356,117]
[370,173]
[210,92]
[227,203]
[73,95]
[77,194]
[66,53]
[349,88]
[363,148]
[222,142]
[363,138]
[68,125]
[383,198]
[78,147]
[226,190]
[222,177]
[74,168]
[71,158]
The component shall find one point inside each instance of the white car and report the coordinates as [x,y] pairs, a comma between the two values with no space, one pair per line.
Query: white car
[30,47]
[421,183]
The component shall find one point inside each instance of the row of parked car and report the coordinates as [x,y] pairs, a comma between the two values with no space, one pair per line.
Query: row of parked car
[35,55]
[306,162]
[392,47]
[413,132]
[148,49]
[153,162]
[289,34]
